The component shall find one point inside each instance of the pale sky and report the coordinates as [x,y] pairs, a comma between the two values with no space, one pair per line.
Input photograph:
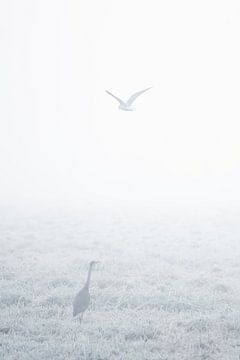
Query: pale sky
[63,137]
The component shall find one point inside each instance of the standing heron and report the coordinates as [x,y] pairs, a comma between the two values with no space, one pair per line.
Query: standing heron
[82,299]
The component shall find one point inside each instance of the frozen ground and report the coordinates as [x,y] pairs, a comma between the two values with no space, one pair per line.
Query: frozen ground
[168,286]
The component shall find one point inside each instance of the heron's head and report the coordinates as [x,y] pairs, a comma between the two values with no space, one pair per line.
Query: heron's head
[92,263]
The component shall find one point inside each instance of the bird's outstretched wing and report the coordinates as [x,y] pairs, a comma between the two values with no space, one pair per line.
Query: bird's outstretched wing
[119,100]
[135,95]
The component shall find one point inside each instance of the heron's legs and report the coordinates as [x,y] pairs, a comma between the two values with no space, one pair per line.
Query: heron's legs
[81,318]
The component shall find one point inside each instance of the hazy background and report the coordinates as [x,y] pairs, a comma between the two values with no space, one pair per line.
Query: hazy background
[62,138]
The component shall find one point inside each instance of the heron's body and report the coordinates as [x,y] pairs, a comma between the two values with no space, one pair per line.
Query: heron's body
[82,299]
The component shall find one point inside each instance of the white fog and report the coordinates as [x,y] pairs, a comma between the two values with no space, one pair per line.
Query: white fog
[152,194]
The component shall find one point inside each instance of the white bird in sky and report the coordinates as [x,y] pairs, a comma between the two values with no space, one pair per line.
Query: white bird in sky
[127,105]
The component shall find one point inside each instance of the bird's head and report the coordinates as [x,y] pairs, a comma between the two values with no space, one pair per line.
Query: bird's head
[92,263]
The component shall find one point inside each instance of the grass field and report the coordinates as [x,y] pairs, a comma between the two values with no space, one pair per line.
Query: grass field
[168,286]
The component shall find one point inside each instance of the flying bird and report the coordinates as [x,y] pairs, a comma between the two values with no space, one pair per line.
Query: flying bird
[82,299]
[127,105]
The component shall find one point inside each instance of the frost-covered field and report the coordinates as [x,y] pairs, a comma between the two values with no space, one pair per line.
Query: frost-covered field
[168,286]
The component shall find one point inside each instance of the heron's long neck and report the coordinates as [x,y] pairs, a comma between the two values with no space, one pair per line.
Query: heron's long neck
[88,277]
